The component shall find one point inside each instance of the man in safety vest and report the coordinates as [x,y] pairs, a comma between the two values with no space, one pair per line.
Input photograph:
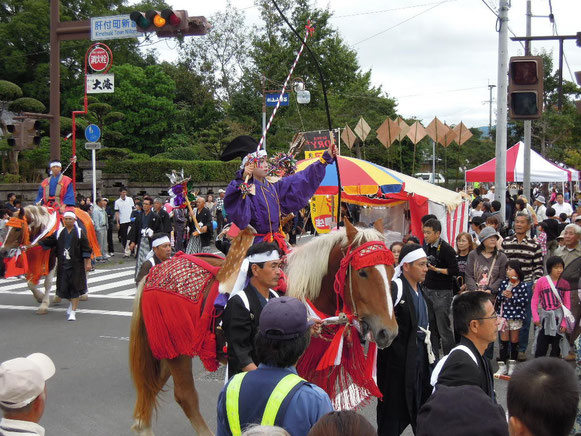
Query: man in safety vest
[274,394]
[56,191]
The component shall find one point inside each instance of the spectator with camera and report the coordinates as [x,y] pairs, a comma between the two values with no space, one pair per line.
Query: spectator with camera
[439,283]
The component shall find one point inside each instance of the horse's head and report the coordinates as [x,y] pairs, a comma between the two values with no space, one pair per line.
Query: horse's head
[367,288]
[16,230]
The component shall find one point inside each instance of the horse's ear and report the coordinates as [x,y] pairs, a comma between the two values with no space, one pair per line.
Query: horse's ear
[349,229]
[378,225]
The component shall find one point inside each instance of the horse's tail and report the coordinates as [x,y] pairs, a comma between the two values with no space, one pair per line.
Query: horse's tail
[145,368]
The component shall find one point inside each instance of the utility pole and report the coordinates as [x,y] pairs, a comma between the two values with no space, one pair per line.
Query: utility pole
[527,123]
[501,112]
[490,87]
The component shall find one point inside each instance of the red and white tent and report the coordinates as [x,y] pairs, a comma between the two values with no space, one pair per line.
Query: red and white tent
[542,170]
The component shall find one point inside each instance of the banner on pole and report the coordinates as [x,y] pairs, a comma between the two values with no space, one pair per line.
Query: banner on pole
[323,212]
[316,142]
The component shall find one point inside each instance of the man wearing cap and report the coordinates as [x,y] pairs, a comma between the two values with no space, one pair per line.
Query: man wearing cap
[403,369]
[57,190]
[161,247]
[220,215]
[540,208]
[74,260]
[261,271]
[23,394]
[530,255]
[274,394]
[252,200]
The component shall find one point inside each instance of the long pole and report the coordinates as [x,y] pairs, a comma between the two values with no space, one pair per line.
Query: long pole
[55,79]
[501,112]
[264,110]
[528,123]
[490,88]
[433,161]
[94,161]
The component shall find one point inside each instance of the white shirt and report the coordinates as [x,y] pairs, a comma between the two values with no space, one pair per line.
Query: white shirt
[14,427]
[541,213]
[124,207]
[489,195]
[560,208]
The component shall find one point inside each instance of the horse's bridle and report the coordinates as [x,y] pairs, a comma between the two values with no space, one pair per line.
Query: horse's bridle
[20,223]
[368,254]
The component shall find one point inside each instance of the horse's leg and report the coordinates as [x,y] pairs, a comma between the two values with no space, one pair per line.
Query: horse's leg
[144,428]
[38,295]
[43,309]
[185,393]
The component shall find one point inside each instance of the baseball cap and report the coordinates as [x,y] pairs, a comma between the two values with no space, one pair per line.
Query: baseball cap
[486,233]
[23,379]
[562,235]
[284,318]
[221,191]
[540,199]
[578,218]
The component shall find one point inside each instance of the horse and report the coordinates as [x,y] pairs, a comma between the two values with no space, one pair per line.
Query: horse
[311,270]
[27,226]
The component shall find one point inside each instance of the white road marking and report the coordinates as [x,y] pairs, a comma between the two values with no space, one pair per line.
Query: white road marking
[127,296]
[95,279]
[111,286]
[62,309]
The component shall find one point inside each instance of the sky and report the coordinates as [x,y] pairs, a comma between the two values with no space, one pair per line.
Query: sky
[436,58]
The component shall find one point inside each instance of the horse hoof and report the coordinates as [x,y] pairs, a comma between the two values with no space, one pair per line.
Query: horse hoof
[84,297]
[141,431]
[42,311]
[39,296]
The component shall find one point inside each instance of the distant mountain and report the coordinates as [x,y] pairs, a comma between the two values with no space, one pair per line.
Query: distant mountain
[484,130]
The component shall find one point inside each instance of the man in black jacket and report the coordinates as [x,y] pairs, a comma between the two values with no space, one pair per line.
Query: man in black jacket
[477,322]
[439,284]
[242,313]
[403,369]
[146,224]
[165,220]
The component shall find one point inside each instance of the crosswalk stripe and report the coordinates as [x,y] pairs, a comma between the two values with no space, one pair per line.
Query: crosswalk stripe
[125,295]
[60,309]
[111,286]
[92,279]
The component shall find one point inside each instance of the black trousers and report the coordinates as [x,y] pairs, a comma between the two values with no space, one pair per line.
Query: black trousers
[110,239]
[122,234]
[543,342]
[220,221]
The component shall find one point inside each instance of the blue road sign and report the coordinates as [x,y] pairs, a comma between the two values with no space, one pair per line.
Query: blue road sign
[92,133]
[272,99]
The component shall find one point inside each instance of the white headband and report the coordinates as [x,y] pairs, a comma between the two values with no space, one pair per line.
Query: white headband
[159,241]
[69,214]
[412,256]
[256,155]
[243,273]
[56,163]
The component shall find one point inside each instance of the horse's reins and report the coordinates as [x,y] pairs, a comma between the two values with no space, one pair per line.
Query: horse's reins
[21,223]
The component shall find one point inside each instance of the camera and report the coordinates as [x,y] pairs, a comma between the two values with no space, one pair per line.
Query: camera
[432,260]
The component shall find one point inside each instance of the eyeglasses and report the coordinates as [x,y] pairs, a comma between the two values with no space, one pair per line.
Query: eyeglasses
[493,316]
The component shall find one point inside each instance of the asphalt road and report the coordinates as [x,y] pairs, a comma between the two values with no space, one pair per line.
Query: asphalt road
[91,392]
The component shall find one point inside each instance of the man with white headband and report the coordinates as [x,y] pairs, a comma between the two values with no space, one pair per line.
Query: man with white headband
[161,246]
[23,394]
[259,273]
[74,260]
[57,190]
[403,369]
[252,200]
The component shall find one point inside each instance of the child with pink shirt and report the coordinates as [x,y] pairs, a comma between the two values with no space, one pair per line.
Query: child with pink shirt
[548,318]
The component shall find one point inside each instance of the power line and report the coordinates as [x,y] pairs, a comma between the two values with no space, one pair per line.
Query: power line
[386,10]
[404,21]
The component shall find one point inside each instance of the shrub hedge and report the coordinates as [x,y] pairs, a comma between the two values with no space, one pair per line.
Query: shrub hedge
[155,170]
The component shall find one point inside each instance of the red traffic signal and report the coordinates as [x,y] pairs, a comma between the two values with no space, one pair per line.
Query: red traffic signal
[525,87]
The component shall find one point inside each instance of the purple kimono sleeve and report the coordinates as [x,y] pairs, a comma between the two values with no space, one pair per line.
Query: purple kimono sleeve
[294,191]
[238,208]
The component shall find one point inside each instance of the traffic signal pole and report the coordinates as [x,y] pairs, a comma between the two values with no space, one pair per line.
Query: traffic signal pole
[527,123]
[502,104]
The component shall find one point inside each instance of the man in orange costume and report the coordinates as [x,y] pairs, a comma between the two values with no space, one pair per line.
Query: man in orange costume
[56,191]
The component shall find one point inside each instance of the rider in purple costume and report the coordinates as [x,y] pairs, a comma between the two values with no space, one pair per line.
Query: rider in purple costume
[263,210]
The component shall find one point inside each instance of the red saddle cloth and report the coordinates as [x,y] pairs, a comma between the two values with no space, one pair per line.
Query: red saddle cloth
[177,317]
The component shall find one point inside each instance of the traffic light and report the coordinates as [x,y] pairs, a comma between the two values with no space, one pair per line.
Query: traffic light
[525,87]
[25,134]
[168,23]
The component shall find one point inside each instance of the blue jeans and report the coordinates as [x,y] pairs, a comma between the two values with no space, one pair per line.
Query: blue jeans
[523,337]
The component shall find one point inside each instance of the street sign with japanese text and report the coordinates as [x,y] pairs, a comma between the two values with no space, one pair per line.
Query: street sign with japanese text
[113,27]
[92,145]
[99,59]
[100,83]
[272,99]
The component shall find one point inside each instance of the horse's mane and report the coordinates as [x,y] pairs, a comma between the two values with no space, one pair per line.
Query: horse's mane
[308,264]
[38,218]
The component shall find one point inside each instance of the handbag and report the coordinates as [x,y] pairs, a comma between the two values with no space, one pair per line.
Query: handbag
[569,317]
[503,321]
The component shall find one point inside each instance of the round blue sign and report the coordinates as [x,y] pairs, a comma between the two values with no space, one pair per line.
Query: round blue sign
[92,133]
